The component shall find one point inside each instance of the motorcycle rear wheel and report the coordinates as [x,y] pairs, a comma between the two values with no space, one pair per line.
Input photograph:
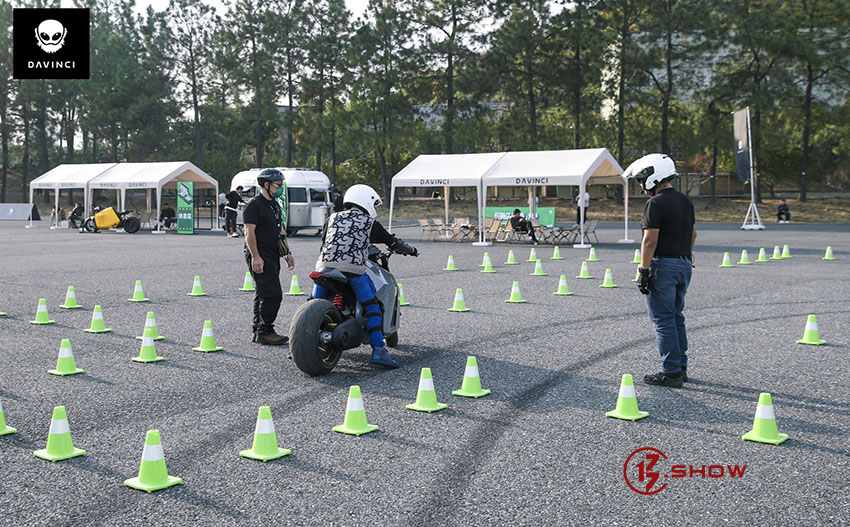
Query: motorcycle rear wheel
[310,353]
[131,224]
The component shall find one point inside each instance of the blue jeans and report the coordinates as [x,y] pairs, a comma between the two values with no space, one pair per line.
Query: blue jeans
[668,283]
[365,292]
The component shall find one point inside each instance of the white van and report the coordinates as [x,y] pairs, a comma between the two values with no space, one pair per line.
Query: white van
[308,200]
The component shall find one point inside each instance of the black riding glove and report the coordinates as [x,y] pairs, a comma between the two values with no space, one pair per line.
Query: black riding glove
[643,281]
[402,247]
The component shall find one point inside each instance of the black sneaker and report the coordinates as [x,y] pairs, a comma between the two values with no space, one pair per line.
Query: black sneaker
[672,380]
[684,375]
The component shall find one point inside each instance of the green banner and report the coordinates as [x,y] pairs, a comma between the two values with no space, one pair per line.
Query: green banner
[546,215]
[282,202]
[185,207]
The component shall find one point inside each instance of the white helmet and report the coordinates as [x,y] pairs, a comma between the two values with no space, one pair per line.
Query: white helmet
[651,169]
[363,196]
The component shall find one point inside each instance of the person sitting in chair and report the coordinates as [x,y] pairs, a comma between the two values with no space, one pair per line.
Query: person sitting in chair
[783,214]
[520,224]
[167,216]
[76,217]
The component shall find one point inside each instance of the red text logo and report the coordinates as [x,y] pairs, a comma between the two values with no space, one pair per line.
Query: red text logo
[647,471]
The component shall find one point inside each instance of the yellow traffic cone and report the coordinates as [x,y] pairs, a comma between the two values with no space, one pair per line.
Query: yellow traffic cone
[153,474]
[511,258]
[563,290]
[556,254]
[65,364]
[608,281]
[148,350]
[726,261]
[355,416]
[150,322]
[828,255]
[401,300]
[538,269]
[207,339]
[471,386]
[97,324]
[138,293]
[762,256]
[459,304]
[484,260]
[592,257]
[636,259]
[764,424]
[4,428]
[810,334]
[450,265]
[294,289]
[745,258]
[584,273]
[59,443]
[248,284]
[197,290]
[637,275]
[516,296]
[627,407]
[41,316]
[777,253]
[426,397]
[265,447]
[488,266]
[532,256]
[70,299]
[786,252]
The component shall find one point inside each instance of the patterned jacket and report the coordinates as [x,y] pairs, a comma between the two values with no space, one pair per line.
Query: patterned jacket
[346,242]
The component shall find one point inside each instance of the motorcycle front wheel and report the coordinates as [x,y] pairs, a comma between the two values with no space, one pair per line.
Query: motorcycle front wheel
[90,225]
[309,337]
[131,224]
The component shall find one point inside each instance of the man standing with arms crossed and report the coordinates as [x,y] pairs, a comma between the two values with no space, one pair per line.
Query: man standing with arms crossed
[666,262]
[265,244]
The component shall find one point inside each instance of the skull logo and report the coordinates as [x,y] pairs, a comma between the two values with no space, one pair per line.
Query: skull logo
[51,35]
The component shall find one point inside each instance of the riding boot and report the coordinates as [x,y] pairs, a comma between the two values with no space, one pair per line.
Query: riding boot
[380,355]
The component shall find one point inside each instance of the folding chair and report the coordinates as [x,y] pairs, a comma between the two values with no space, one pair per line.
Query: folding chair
[590,228]
[426,226]
[494,230]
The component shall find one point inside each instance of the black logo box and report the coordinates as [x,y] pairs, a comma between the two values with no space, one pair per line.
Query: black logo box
[31,61]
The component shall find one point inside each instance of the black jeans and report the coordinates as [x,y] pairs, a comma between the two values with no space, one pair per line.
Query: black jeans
[268,294]
[578,215]
[230,216]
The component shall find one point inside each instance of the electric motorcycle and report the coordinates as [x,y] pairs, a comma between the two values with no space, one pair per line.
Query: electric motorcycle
[109,218]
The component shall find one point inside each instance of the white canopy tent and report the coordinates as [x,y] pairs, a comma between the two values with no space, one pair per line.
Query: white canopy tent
[69,176]
[557,167]
[444,170]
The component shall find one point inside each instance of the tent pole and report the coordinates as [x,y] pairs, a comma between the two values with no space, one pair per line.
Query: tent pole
[30,226]
[626,217]
[392,199]
[446,200]
[481,191]
[159,208]
[581,191]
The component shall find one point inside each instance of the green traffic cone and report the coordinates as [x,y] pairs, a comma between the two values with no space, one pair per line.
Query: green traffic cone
[745,258]
[197,290]
[811,335]
[426,397]
[97,324]
[538,269]
[786,252]
[584,273]
[150,322]
[556,254]
[828,254]
[294,288]
[138,293]
[726,261]
[355,416]
[148,350]
[65,364]
[563,289]
[248,284]
[41,316]
[516,296]
[511,258]
[265,447]
[608,281]
[450,265]
[627,407]
[777,253]
[484,260]
[207,339]
[401,300]
[471,386]
[764,425]
[488,266]
[70,299]
[59,443]
[4,428]
[592,257]
[532,256]
[762,256]
[153,474]
[636,259]
[459,304]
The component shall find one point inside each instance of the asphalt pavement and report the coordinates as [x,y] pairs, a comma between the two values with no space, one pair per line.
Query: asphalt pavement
[537,451]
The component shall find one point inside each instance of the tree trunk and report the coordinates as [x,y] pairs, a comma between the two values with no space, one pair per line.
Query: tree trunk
[668,90]
[715,115]
[43,147]
[577,80]
[756,146]
[450,102]
[199,150]
[289,110]
[532,105]
[621,95]
[255,67]
[25,117]
[807,125]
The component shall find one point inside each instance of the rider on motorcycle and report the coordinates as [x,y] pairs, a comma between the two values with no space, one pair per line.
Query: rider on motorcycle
[345,246]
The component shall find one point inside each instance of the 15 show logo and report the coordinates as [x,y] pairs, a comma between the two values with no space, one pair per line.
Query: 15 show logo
[50,43]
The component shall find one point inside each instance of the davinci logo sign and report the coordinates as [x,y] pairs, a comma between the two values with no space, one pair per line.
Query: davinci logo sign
[50,43]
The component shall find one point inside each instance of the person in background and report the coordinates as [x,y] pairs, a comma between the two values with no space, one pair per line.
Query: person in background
[336,195]
[586,198]
[76,217]
[783,214]
[520,224]
[167,216]
[222,200]
[234,198]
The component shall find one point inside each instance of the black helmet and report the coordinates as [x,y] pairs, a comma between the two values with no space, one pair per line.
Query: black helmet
[269,174]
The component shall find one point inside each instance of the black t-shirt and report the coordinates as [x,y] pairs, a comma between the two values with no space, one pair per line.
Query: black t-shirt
[168,212]
[518,223]
[672,213]
[266,215]
[233,199]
